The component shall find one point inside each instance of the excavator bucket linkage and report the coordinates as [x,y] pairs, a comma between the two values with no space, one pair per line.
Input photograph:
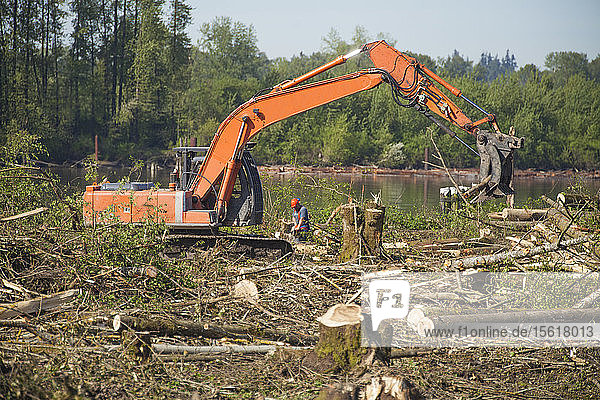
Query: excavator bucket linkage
[496,153]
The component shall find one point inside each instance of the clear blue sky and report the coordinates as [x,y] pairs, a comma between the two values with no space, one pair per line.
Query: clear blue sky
[530,29]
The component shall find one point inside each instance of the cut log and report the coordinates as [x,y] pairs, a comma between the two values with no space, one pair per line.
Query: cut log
[495,215]
[477,188]
[171,327]
[520,242]
[520,226]
[523,214]
[245,289]
[477,261]
[230,349]
[559,217]
[403,353]
[339,347]
[187,357]
[413,318]
[11,323]
[37,305]
[547,233]
[588,300]
[565,224]
[577,200]
[552,203]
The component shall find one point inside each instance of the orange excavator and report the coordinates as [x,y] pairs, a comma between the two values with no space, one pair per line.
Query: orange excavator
[220,185]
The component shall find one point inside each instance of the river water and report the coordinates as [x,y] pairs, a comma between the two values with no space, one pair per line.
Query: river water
[404,191]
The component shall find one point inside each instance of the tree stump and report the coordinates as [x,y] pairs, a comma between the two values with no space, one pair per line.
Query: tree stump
[373,231]
[390,388]
[339,347]
[362,230]
[353,225]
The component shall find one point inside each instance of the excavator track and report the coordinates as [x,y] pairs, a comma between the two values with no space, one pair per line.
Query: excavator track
[244,243]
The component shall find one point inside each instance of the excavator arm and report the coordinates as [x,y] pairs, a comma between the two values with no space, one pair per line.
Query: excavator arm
[223,159]
[412,87]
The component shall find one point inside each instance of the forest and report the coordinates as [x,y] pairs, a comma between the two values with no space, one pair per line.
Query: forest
[127,71]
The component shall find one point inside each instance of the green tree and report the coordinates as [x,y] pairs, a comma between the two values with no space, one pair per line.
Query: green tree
[341,144]
[455,65]
[145,115]
[179,53]
[567,63]
[594,69]
[332,43]
[226,69]
[230,48]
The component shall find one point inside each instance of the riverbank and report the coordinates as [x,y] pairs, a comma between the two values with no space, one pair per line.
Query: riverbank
[375,170]
[353,170]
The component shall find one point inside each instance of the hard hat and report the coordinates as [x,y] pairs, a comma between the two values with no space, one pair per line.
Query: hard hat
[295,202]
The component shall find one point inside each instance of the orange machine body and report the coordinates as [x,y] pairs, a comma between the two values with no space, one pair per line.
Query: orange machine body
[135,206]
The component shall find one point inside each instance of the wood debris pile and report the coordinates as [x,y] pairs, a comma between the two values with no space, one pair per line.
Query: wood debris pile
[125,325]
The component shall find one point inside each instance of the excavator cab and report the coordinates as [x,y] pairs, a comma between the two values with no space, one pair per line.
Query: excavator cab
[245,206]
[188,160]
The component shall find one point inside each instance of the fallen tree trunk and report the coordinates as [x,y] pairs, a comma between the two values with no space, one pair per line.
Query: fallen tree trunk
[559,217]
[578,200]
[568,315]
[11,323]
[229,349]
[547,233]
[171,327]
[565,224]
[477,261]
[588,300]
[37,305]
[513,225]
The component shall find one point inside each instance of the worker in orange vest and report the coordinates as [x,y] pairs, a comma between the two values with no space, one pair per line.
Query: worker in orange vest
[301,227]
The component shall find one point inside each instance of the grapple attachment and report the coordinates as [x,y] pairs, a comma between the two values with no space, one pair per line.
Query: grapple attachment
[496,153]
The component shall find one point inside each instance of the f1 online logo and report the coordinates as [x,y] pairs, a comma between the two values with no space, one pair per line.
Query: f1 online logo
[389,299]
